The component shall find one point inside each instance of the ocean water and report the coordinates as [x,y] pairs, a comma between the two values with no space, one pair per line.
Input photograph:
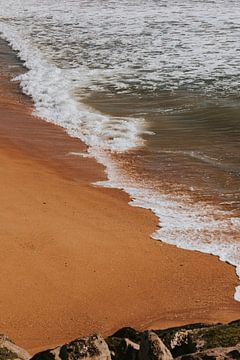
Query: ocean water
[153,88]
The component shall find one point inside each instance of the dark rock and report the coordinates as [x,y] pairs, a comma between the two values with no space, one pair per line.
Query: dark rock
[235,322]
[221,336]
[152,348]
[132,350]
[179,340]
[214,354]
[122,349]
[234,354]
[128,333]
[198,337]
[10,351]
[124,344]
[116,346]
[92,347]
[182,343]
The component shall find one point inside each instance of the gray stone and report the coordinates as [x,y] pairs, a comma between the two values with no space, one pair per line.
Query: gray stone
[92,347]
[10,351]
[152,348]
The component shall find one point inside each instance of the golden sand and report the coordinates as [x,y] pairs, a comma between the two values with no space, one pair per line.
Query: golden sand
[77,259]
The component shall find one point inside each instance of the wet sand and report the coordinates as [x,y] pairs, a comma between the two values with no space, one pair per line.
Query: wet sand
[77,259]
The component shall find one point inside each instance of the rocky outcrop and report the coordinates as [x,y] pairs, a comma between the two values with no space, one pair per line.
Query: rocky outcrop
[200,337]
[183,340]
[214,354]
[10,351]
[92,347]
[190,342]
[152,348]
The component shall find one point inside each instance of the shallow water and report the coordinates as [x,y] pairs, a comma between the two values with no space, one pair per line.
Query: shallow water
[193,148]
[153,89]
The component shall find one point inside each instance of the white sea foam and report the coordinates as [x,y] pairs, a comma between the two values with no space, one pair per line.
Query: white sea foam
[48,37]
[81,154]
[165,45]
[52,90]
[197,226]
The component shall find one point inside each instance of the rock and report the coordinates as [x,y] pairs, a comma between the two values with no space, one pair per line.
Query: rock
[182,343]
[124,344]
[228,353]
[115,346]
[10,351]
[122,349]
[189,342]
[92,347]
[180,339]
[128,333]
[152,348]
[200,337]
[131,350]
[132,345]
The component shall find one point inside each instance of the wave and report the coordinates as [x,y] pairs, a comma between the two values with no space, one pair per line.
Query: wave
[186,225]
[52,90]
[213,161]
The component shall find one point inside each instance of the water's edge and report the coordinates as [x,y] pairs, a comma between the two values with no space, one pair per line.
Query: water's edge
[116,179]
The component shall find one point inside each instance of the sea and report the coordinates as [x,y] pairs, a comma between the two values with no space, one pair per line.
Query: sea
[153,88]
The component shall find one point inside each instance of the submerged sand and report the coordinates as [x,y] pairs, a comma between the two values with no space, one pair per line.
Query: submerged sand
[76,258]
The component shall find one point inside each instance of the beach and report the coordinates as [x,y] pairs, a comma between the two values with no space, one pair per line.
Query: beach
[76,258]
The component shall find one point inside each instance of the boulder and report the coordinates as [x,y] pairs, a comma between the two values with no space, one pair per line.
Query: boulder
[122,349]
[10,351]
[152,348]
[92,347]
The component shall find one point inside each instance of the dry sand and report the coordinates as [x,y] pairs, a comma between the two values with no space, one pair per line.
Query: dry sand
[77,259]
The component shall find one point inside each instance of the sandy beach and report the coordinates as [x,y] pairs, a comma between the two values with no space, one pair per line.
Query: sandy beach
[76,258]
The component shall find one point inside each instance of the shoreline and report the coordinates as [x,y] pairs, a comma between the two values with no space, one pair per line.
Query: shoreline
[130,279]
[112,181]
